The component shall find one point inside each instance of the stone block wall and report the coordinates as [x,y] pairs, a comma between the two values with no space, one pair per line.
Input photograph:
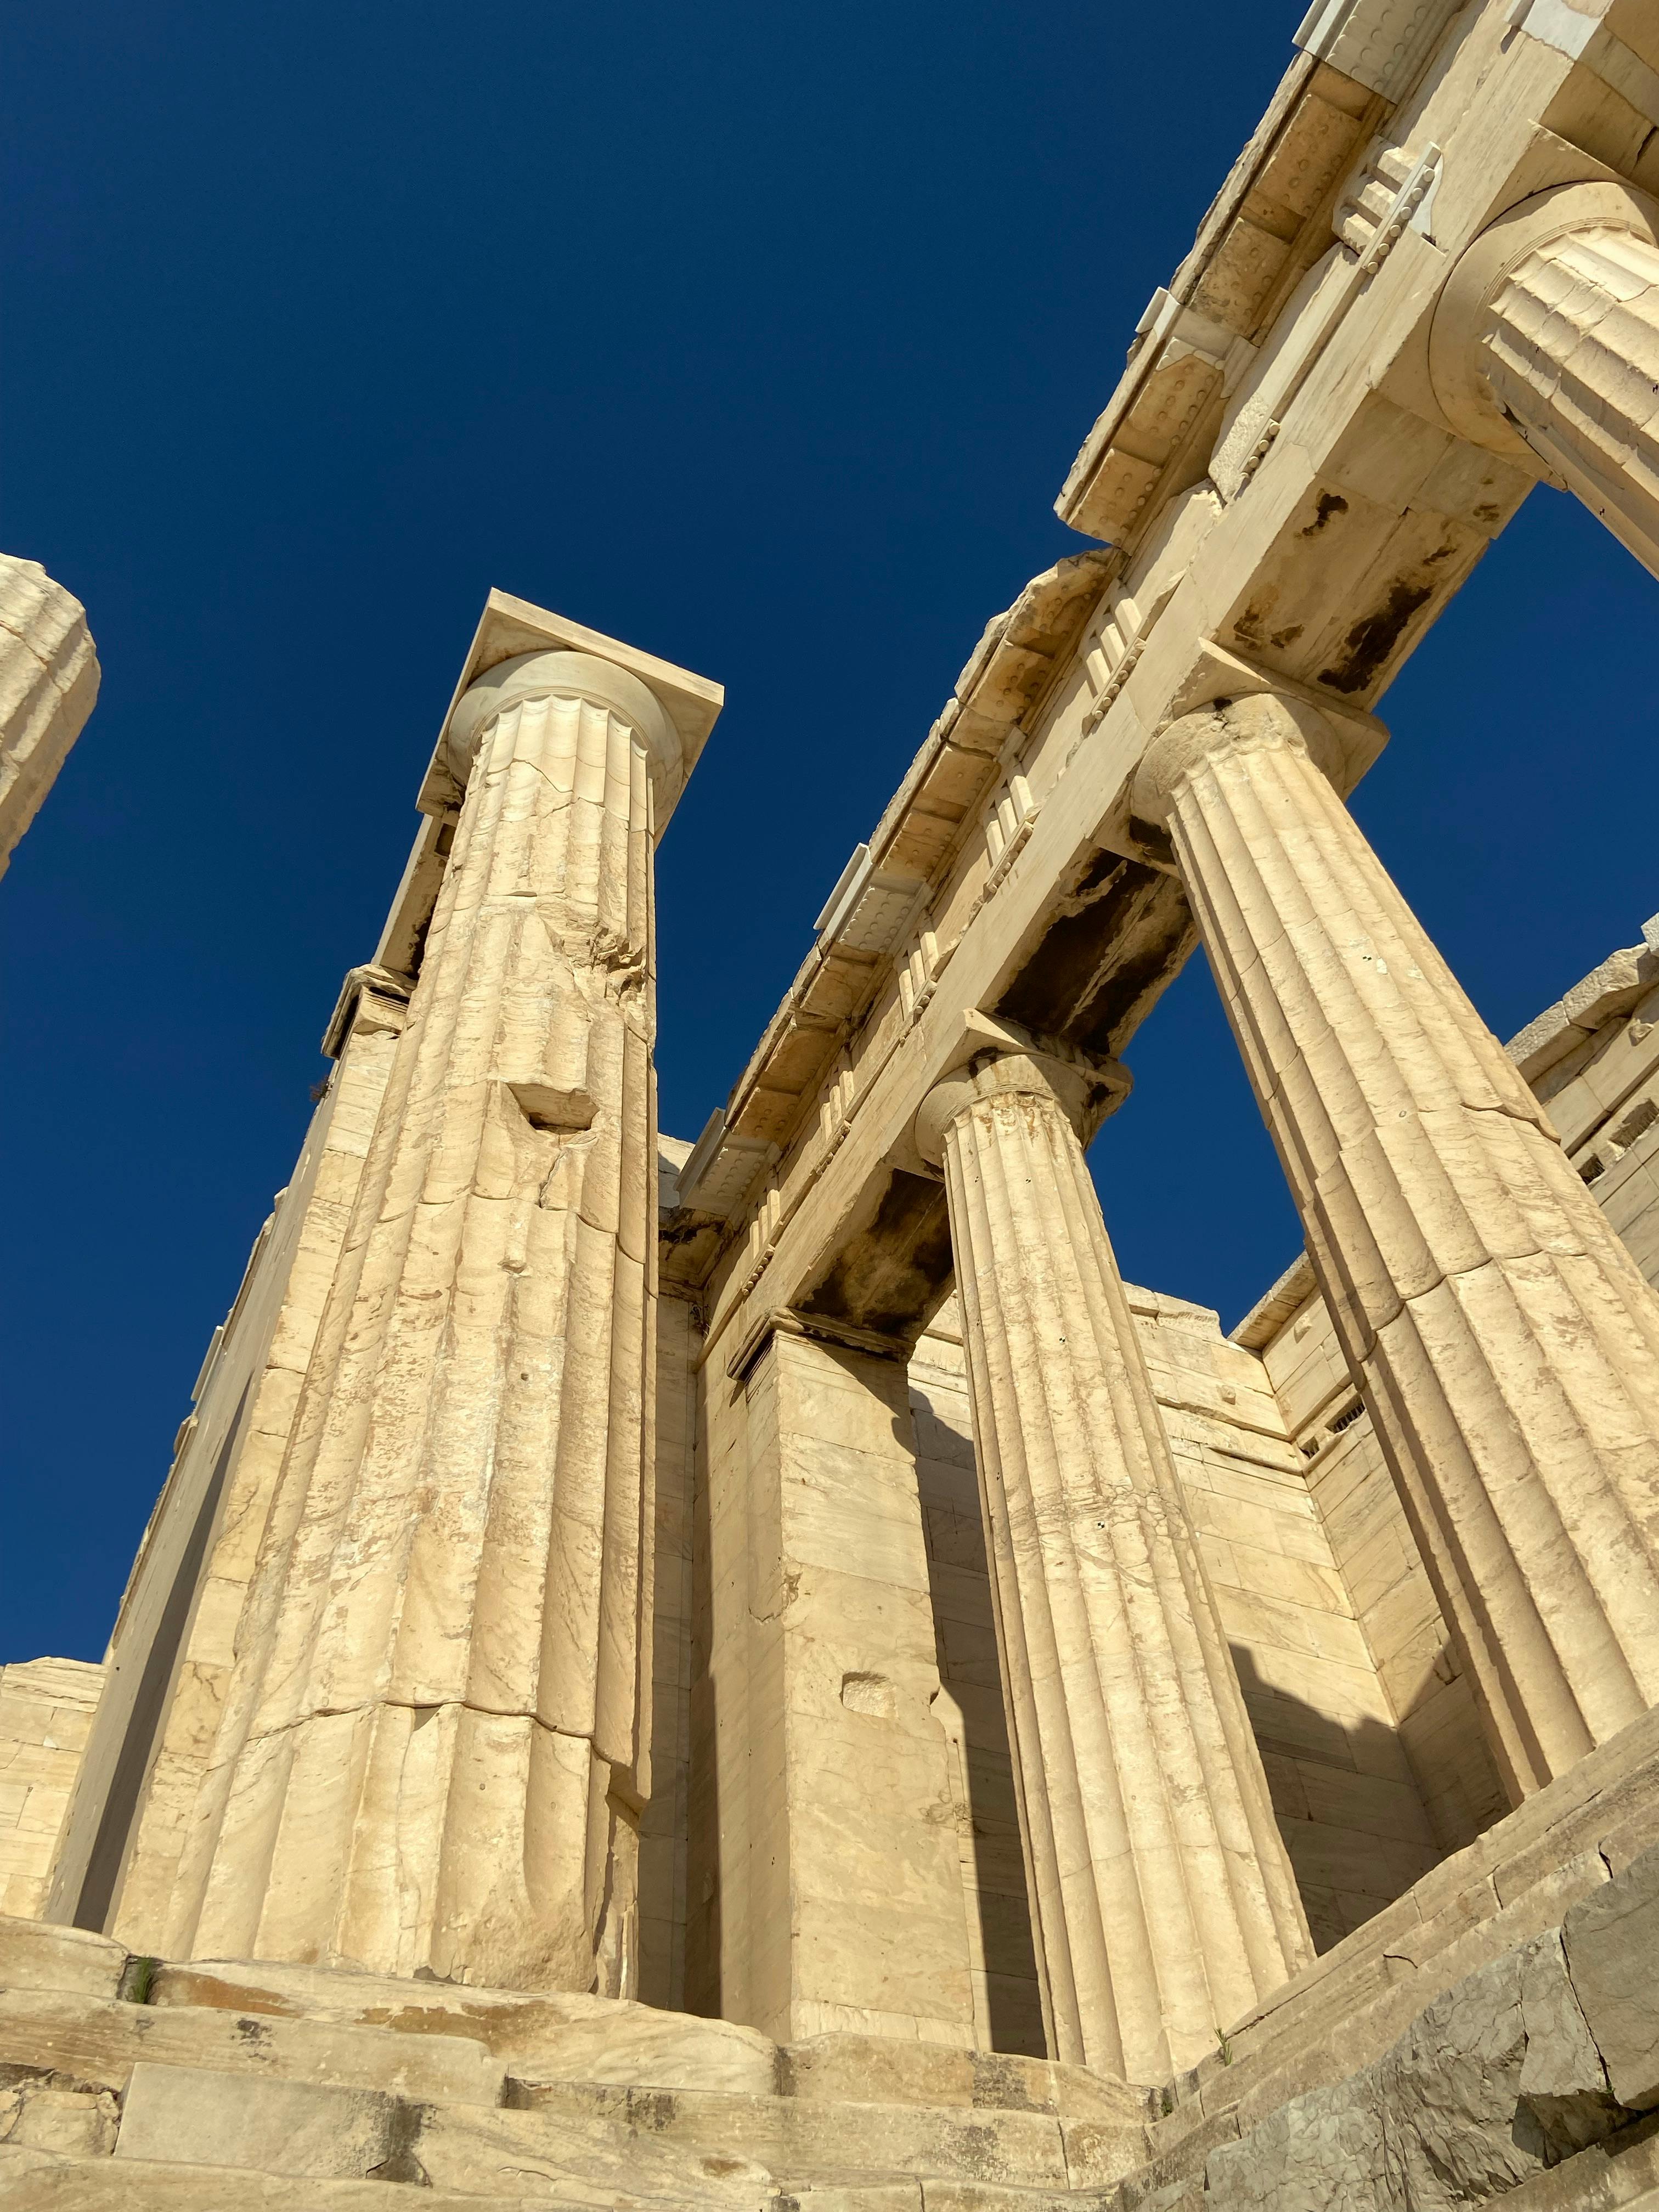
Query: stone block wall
[824,1888]
[1348,1804]
[1352,1493]
[46,1713]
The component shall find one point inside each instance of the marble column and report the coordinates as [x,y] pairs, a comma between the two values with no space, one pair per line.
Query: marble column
[1506,1345]
[1163,1901]
[1545,348]
[49,679]
[432,1753]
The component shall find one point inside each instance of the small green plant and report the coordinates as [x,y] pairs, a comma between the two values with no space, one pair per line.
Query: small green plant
[1165,2103]
[1224,2048]
[138,1983]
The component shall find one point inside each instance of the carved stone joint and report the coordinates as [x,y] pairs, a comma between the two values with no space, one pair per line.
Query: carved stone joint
[785,1321]
[370,980]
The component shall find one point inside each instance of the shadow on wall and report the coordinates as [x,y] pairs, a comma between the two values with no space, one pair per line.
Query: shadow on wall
[1008,2004]
[1346,1800]
[703,1991]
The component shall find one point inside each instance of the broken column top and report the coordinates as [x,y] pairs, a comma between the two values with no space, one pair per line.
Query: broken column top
[509,628]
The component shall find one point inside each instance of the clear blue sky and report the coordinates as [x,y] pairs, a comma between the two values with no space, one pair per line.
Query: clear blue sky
[760,335]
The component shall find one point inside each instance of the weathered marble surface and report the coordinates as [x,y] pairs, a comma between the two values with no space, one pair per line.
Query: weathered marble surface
[1508,1344]
[410,1724]
[824,1865]
[1545,348]
[47,1708]
[49,678]
[434,1744]
[228,2074]
[1162,1898]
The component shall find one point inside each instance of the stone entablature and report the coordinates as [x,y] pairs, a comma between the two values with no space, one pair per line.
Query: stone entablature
[1351,535]
[1392,542]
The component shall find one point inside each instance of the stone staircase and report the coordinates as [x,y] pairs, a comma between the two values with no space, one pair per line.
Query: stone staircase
[205,2087]
[1493,2037]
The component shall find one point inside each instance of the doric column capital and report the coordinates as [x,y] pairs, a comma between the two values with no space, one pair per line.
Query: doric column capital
[1084,1091]
[1545,349]
[567,676]
[1258,719]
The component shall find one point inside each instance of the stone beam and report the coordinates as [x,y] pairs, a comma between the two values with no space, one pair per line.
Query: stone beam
[1340,512]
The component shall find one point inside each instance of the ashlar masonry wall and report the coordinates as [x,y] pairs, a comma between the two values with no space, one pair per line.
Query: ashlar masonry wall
[1007,2002]
[1593,1061]
[46,1713]
[1359,1511]
[825,1888]
[1347,1802]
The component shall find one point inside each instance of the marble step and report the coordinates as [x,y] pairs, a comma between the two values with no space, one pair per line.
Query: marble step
[41,2181]
[596,2147]
[799,2138]
[194,2116]
[95,2043]
[44,2181]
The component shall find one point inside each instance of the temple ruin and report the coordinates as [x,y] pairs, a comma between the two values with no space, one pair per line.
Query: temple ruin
[760,1672]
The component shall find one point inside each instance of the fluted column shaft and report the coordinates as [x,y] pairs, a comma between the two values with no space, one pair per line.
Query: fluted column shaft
[49,678]
[1548,341]
[1163,1900]
[432,1753]
[1507,1347]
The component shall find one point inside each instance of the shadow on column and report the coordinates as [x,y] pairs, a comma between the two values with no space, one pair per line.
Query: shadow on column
[704,1989]
[1008,2009]
[1348,1803]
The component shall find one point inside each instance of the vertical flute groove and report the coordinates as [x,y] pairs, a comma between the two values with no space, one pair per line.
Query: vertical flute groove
[1503,1336]
[1163,1902]
[428,1758]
